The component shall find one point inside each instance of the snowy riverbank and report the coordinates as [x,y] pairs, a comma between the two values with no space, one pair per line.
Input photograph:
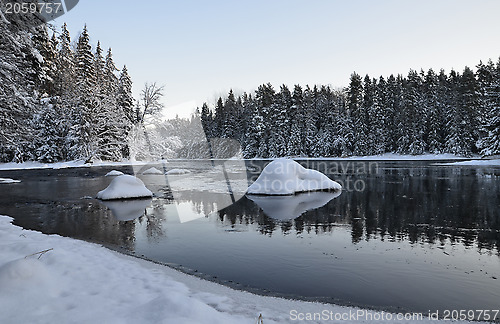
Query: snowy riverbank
[82,164]
[79,282]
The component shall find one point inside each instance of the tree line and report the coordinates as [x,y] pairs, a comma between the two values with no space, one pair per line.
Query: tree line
[65,100]
[424,112]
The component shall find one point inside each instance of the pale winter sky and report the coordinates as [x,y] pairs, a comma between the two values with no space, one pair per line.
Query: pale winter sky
[199,49]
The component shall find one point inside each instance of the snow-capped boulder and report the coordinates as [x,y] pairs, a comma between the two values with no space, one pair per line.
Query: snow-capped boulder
[287,177]
[152,170]
[114,173]
[124,187]
[178,171]
[290,207]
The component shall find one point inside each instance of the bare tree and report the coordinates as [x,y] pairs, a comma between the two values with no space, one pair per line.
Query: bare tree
[150,101]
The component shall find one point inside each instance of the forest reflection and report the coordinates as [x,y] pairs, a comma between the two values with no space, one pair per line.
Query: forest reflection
[435,205]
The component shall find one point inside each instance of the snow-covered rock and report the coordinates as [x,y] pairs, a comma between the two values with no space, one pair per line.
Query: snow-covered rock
[290,207]
[287,177]
[124,187]
[178,171]
[129,209]
[7,180]
[152,170]
[114,173]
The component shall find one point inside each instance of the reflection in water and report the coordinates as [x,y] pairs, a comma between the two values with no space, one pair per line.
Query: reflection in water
[419,204]
[291,207]
[126,210]
[439,226]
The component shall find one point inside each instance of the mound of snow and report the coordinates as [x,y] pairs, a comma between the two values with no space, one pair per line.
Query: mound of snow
[129,209]
[7,180]
[114,173]
[124,187]
[291,207]
[178,171]
[152,171]
[287,177]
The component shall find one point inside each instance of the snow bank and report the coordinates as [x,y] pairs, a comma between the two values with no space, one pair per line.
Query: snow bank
[63,165]
[125,210]
[495,162]
[394,157]
[79,282]
[7,181]
[290,207]
[287,177]
[114,173]
[152,170]
[124,187]
[178,171]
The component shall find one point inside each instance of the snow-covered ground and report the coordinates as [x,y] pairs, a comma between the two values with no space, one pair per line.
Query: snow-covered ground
[64,165]
[495,162]
[81,163]
[397,157]
[80,282]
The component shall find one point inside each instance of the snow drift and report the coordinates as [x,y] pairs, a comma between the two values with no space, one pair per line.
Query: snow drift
[124,187]
[287,177]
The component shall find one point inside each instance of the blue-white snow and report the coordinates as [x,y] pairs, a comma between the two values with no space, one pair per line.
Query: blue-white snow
[125,187]
[287,177]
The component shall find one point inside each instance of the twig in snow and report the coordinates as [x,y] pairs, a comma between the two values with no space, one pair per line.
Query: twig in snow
[40,253]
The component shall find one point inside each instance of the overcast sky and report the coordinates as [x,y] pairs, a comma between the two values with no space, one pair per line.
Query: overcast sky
[201,49]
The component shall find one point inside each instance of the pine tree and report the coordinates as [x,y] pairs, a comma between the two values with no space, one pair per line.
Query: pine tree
[48,142]
[491,143]
[413,122]
[377,117]
[65,64]
[253,143]
[19,65]
[125,98]
[83,135]
[358,114]
[46,62]
[433,138]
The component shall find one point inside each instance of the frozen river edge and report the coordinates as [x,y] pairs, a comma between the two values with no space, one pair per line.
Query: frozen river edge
[81,282]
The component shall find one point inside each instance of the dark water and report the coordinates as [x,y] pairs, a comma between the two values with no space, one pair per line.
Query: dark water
[414,236]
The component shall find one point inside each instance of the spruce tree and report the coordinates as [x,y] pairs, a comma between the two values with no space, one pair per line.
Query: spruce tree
[125,98]
[491,143]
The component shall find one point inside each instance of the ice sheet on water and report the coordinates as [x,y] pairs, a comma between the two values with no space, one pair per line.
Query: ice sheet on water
[7,181]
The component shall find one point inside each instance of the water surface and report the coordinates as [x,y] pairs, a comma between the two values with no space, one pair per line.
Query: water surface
[414,236]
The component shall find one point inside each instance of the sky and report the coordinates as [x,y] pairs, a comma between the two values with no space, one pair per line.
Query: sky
[200,49]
